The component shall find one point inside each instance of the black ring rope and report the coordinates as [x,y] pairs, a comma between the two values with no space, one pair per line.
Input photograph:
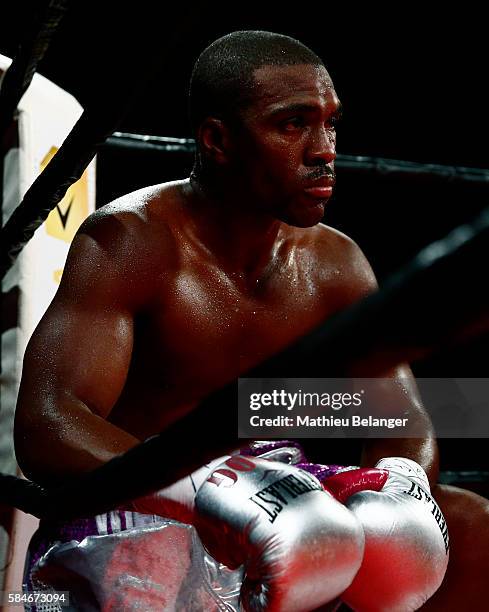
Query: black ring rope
[355,163]
[31,51]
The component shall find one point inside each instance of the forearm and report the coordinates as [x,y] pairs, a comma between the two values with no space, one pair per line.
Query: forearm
[159,462]
[395,394]
[68,440]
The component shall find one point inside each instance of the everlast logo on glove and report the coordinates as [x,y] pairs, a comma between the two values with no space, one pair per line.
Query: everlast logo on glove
[418,493]
[273,498]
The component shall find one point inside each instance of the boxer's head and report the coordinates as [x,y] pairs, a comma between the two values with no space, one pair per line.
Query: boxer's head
[263,109]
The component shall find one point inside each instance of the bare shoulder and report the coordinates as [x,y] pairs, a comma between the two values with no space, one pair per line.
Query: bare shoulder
[134,220]
[123,246]
[341,255]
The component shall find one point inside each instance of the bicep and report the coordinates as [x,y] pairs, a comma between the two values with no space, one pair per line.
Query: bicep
[79,352]
[83,344]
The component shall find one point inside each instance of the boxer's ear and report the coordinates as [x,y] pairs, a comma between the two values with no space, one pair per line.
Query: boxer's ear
[214,139]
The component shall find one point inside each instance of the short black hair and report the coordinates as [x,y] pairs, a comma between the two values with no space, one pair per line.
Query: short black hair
[222,78]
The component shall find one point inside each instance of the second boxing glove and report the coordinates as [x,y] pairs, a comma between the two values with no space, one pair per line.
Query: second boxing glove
[406,536]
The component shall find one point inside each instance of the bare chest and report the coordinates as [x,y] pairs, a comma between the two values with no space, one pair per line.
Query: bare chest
[208,328]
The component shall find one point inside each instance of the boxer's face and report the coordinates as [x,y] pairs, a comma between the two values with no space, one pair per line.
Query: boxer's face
[286,142]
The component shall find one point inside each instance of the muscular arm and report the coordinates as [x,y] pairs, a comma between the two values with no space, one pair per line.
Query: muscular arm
[395,389]
[74,369]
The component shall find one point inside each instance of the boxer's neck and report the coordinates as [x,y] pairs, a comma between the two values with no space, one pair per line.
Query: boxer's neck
[244,241]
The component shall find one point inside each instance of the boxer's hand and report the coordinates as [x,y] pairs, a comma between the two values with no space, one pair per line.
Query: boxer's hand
[406,537]
[300,547]
[177,500]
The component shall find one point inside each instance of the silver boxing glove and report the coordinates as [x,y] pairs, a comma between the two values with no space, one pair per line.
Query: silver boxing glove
[176,501]
[300,547]
[406,536]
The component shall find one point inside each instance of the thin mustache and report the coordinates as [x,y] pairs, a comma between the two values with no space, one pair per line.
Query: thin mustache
[320,173]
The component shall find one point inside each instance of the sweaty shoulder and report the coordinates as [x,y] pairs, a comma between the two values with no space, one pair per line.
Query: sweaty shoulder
[139,221]
[127,243]
[341,262]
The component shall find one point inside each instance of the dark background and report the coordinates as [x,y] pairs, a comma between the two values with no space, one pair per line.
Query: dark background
[412,83]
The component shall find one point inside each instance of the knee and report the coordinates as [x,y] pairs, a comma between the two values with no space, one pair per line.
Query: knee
[466,513]
[465,585]
[467,517]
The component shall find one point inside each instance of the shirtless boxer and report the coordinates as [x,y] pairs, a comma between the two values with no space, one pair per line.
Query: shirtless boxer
[176,289]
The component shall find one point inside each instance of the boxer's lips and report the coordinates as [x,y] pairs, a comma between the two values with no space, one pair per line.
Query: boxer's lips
[320,189]
[319,192]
